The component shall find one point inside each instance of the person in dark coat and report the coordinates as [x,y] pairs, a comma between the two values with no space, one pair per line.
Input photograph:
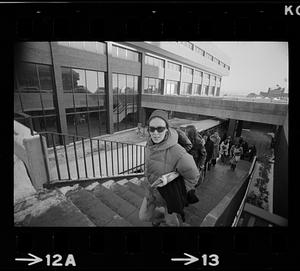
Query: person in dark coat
[209,147]
[251,152]
[163,155]
[216,140]
[245,147]
[198,150]
[183,140]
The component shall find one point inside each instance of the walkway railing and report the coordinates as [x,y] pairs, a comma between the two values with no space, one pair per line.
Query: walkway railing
[227,212]
[82,158]
[249,180]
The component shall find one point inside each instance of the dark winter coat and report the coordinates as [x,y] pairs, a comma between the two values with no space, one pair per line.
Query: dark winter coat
[209,146]
[175,195]
[198,152]
[183,140]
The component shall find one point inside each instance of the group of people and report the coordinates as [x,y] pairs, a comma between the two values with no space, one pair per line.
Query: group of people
[175,164]
[236,151]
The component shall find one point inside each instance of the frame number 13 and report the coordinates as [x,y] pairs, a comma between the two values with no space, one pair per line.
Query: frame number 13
[212,259]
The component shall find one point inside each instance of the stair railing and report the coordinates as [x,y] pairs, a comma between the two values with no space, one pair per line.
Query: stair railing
[83,158]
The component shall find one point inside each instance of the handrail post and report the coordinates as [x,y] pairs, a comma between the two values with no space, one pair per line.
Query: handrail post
[45,160]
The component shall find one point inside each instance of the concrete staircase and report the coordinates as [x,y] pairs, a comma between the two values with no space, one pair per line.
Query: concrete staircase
[109,204]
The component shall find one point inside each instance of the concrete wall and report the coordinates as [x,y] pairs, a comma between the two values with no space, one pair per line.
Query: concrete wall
[36,52]
[28,149]
[23,187]
[76,58]
[281,178]
[224,213]
[119,65]
[286,127]
[222,108]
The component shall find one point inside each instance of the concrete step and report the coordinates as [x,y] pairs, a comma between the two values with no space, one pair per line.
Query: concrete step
[96,210]
[124,192]
[65,214]
[113,201]
[125,209]
[133,186]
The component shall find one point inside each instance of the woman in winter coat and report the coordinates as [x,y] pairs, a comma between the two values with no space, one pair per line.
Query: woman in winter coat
[164,155]
[216,140]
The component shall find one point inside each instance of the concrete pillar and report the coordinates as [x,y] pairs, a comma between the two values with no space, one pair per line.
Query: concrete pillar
[231,128]
[36,160]
[142,116]
[165,79]
[141,112]
[109,93]
[58,93]
[239,128]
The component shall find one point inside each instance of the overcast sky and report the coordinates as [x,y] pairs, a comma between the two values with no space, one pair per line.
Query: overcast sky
[255,66]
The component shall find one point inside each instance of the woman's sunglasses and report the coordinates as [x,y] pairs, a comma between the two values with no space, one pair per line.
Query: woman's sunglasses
[159,129]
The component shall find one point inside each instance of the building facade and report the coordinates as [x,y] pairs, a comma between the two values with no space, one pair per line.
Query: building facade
[93,88]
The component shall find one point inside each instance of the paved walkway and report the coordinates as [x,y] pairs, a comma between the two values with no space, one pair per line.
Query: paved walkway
[219,181]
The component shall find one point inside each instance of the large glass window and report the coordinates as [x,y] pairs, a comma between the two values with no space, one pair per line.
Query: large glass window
[67,79]
[33,94]
[186,88]
[45,76]
[125,100]
[79,80]
[91,80]
[197,89]
[28,78]
[153,85]
[206,89]
[84,101]
[172,87]
[101,82]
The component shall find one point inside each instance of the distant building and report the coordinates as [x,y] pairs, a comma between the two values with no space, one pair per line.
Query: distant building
[252,95]
[275,93]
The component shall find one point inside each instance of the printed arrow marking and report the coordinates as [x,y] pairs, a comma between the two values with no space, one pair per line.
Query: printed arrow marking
[33,260]
[189,260]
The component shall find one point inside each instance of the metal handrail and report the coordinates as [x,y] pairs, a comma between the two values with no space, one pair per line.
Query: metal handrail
[249,178]
[110,166]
